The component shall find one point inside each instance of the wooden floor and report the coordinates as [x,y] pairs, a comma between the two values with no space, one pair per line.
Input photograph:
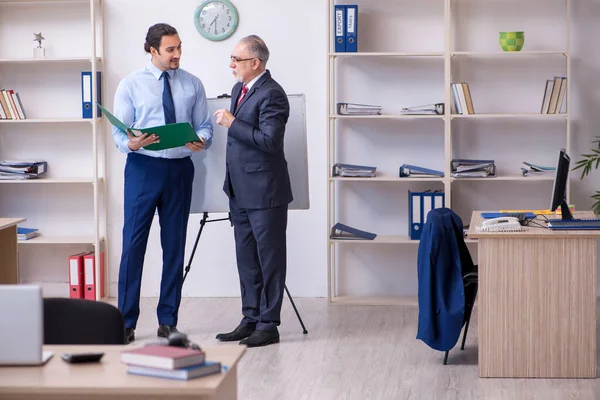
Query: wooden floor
[354,352]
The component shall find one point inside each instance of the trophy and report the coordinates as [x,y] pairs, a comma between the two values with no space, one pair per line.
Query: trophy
[39,51]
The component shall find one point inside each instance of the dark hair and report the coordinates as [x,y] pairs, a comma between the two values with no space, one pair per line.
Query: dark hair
[155,34]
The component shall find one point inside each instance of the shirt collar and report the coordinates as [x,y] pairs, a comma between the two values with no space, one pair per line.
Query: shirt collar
[253,81]
[157,72]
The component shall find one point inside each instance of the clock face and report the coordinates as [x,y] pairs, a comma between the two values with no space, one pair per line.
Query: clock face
[216,19]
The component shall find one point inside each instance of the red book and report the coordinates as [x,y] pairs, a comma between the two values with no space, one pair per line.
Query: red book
[166,357]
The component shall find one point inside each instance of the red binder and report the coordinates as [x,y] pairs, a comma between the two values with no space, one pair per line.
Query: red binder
[76,275]
[91,286]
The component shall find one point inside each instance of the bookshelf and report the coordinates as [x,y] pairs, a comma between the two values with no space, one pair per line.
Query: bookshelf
[409,53]
[68,204]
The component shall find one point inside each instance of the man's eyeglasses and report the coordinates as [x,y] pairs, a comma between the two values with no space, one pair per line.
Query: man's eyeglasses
[237,60]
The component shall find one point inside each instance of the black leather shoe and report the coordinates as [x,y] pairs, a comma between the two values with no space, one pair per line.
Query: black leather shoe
[261,338]
[165,330]
[129,335]
[239,333]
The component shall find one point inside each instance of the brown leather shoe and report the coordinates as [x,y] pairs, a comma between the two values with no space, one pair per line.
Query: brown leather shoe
[239,333]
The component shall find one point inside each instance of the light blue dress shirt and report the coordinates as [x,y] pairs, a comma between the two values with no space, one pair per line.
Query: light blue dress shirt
[138,103]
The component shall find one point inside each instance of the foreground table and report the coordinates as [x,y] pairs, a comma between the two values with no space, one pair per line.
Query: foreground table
[108,379]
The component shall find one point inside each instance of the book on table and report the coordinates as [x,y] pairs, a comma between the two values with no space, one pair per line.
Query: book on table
[165,357]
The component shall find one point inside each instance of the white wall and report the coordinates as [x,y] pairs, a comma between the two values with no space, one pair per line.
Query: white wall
[297,62]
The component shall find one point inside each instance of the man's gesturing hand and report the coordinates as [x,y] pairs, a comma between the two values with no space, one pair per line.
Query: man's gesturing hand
[224,117]
[137,142]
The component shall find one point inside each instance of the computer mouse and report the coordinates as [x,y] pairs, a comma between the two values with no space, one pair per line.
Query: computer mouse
[178,339]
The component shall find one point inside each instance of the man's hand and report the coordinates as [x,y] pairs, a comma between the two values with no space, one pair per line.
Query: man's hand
[224,117]
[137,142]
[195,146]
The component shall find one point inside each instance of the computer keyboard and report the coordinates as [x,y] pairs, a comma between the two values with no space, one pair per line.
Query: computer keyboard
[576,224]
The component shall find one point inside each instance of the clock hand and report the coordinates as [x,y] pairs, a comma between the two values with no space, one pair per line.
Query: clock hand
[216,24]
[214,21]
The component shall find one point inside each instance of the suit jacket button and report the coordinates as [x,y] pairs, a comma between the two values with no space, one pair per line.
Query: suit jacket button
[228,144]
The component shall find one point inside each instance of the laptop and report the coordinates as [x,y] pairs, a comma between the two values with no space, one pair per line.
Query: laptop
[22,316]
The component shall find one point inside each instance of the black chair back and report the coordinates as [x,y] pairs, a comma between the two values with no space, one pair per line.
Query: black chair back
[78,321]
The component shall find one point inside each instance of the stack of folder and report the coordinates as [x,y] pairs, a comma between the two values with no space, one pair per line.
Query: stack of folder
[358,109]
[27,233]
[345,232]
[528,168]
[412,171]
[28,169]
[355,171]
[170,362]
[427,109]
[464,168]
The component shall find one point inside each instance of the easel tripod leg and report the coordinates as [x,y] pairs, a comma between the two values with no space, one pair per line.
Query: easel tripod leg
[304,331]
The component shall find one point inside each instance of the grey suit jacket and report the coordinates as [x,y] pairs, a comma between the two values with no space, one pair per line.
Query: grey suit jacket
[256,166]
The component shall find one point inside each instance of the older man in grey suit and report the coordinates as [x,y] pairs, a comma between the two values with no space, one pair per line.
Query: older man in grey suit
[257,183]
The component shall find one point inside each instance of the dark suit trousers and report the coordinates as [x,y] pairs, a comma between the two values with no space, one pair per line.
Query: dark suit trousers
[150,184]
[260,245]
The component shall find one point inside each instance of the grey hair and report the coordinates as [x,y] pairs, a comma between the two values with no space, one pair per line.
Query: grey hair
[257,47]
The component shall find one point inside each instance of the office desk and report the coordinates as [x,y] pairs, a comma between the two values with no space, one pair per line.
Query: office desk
[537,302]
[9,266]
[108,379]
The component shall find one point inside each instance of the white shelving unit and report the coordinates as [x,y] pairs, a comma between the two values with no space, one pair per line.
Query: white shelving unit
[454,56]
[68,205]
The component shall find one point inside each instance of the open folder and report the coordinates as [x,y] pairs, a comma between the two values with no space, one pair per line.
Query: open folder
[171,135]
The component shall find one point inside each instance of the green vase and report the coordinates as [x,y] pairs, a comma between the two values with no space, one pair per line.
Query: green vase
[512,41]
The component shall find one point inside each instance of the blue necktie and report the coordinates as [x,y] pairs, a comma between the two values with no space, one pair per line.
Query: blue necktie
[168,105]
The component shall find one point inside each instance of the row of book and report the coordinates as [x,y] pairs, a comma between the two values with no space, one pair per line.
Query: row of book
[10,105]
[22,169]
[463,102]
[554,95]
[163,361]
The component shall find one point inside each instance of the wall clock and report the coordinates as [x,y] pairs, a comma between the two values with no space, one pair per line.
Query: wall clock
[216,19]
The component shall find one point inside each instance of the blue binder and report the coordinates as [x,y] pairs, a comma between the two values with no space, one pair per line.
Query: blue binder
[86,93]
[352,28]
[407,170]
[341,231]
[419,205]
[339,26]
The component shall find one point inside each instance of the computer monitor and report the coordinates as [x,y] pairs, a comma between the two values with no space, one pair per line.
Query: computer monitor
[559,191]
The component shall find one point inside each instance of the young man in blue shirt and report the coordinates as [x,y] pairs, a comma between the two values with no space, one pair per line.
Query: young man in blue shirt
[161,93]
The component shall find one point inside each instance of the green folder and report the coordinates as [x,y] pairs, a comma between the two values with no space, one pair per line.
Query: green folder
[170,135]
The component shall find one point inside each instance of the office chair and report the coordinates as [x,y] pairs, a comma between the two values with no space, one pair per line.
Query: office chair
[470,282]
[78,321]
[447,241]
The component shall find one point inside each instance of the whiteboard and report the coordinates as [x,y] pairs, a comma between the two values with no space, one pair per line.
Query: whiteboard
[208,195]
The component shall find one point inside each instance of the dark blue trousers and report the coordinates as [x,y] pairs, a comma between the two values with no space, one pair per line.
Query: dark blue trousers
[260,246]
[151,184]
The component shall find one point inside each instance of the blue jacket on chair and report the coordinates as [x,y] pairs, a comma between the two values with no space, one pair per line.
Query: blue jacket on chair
[441,294]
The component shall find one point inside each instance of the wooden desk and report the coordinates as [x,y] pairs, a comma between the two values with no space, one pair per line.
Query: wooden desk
[9,266]
[537,302]
[109,379]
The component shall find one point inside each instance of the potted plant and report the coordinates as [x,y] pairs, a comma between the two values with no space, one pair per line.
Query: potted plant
[591,160]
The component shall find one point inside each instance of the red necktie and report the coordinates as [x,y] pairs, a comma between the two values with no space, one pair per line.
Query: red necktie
[244,91]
